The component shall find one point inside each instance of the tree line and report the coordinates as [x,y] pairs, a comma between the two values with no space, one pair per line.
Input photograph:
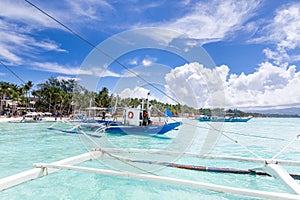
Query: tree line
[67,96]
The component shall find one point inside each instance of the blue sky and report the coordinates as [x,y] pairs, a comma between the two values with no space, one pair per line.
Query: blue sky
[254,45]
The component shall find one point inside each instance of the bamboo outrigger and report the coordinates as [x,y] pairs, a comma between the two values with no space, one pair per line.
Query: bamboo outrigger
[271,168]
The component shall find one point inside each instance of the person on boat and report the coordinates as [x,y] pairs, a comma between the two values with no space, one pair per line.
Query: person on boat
[103,115]
[146,118]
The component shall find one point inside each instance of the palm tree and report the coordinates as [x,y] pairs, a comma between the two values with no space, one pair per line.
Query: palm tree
[5,91]
[27,87]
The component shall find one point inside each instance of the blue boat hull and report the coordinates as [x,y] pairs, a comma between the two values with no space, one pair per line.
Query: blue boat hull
[208,119]
[142,130]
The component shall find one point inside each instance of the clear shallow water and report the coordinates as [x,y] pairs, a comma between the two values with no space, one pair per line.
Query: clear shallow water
[21,145]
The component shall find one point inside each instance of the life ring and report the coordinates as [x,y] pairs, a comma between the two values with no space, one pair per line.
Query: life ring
[130,114]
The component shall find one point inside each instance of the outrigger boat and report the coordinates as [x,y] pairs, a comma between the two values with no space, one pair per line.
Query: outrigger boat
[234,118]
[138,121]
[135,121]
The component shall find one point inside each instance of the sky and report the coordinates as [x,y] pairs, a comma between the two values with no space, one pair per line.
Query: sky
[229,53]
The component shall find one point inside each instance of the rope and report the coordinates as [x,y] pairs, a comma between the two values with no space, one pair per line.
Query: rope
[116,157]
[18,77]
[100,50]
[285,147]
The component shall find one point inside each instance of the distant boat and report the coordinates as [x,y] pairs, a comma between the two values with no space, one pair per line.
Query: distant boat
[235,118]
[223,119]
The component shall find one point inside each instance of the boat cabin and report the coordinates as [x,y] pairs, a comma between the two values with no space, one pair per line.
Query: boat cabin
[138,116]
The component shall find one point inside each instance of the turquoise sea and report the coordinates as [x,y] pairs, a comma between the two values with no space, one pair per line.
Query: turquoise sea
[22,144]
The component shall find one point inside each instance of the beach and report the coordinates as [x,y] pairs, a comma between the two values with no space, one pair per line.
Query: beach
[19,119]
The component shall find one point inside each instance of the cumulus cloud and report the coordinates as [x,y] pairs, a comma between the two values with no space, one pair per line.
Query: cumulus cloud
[269,86]
[197,86]
[284,32]
[136,92]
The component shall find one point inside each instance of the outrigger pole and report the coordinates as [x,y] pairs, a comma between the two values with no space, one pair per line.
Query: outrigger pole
[211,169]
[45,169]
[270,167]
[181,182]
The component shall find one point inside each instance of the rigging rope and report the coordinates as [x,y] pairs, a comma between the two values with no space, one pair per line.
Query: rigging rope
[100,50]
[284,148]
[115,156]
[16,75]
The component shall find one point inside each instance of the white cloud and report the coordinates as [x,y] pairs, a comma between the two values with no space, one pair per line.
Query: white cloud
[269,86]
[100,72]
[206,21]
[148,61]
[137,92]
[18,10]
[17,41]
[214,20]
[133,61]
[284,32]
[20,22]
[57,68]
[48,45]
[66,78]
[68,70]
[8,55]
[144,7]
[88,8]
[197,86]
[78,12]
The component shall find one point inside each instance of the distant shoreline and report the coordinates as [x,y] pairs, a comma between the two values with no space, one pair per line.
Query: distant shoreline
[19,119]
[52,119]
